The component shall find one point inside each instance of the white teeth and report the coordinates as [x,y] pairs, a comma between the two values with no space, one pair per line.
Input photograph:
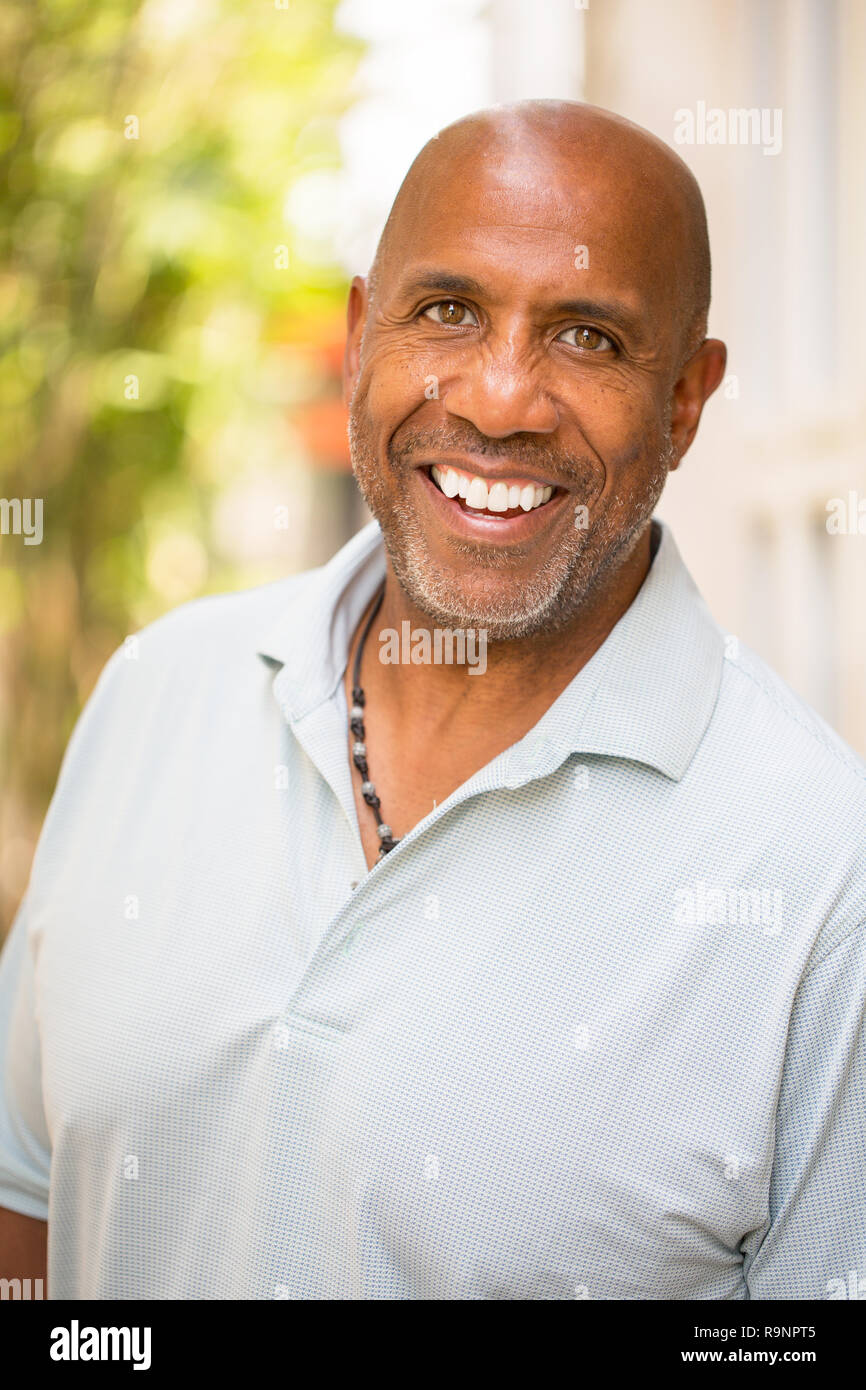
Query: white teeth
[495,497]
[477,494]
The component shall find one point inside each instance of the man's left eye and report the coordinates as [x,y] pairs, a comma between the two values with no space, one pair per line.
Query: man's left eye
[451,311]
[588,339]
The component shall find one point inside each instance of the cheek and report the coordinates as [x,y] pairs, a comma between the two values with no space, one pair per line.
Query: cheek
[396,382]
[619,422]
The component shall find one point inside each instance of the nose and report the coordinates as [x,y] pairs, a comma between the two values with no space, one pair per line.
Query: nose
[501,392]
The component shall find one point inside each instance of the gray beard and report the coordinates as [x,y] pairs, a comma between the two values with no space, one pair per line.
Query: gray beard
[554,595]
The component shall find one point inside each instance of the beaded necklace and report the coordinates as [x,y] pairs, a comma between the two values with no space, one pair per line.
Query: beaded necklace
[359,747]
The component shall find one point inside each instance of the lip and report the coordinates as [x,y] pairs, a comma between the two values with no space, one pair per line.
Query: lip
[488,526]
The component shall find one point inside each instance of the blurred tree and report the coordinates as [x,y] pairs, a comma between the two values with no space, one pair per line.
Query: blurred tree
[150,154]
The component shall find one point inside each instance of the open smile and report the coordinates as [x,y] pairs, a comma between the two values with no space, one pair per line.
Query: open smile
[496,496]
[494,508]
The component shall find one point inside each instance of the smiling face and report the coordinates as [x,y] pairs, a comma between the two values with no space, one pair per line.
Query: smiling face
[516,380]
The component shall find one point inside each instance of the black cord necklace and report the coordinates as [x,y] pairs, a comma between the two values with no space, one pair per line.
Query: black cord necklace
[359,747]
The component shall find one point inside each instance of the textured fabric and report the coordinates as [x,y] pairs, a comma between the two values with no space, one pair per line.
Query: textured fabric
[594,1029]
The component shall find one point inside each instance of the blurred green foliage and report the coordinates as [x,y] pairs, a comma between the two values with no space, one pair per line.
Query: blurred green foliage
[154,311]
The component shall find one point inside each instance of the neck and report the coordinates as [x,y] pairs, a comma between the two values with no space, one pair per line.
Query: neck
[522,677]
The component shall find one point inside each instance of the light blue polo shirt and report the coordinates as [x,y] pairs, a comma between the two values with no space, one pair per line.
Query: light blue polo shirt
[593,1030]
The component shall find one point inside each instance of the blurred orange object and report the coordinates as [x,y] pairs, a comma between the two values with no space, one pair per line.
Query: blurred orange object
[322,425]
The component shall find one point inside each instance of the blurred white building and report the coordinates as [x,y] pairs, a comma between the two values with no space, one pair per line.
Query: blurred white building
[786,203]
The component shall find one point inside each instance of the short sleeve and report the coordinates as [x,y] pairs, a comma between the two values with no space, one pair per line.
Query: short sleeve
[25,1149]
[815,1247]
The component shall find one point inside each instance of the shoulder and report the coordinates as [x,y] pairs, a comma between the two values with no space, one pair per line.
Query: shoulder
[214,630]
[779,731]
[219,623]
[161,700]
[200,655]
[797,791]
[209,642]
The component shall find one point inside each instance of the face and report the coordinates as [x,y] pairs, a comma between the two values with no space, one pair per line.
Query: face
[516,390]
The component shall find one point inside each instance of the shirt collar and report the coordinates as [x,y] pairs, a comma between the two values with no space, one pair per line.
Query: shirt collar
[646,695]
[311,638]
[649,691]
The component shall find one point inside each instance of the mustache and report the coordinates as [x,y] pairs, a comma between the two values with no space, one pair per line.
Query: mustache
[514,448]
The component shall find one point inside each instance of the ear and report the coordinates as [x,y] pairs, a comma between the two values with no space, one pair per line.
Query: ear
[697,381]
[356,314]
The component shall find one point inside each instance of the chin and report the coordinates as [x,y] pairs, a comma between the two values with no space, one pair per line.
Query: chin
[453,599]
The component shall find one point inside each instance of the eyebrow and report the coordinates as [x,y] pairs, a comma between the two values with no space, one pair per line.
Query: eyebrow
[445,281]
[448,283]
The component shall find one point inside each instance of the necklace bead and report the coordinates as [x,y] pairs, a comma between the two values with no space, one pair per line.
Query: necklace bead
[359,747]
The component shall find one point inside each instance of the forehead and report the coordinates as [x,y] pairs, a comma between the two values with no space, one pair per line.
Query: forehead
[538,222]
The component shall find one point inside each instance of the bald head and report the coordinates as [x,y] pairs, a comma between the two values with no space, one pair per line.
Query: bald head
[617,185]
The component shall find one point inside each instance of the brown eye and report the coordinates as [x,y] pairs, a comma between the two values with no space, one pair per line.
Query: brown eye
[452,312]
[589,339]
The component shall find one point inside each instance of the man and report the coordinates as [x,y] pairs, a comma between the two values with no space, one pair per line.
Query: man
[536,976]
